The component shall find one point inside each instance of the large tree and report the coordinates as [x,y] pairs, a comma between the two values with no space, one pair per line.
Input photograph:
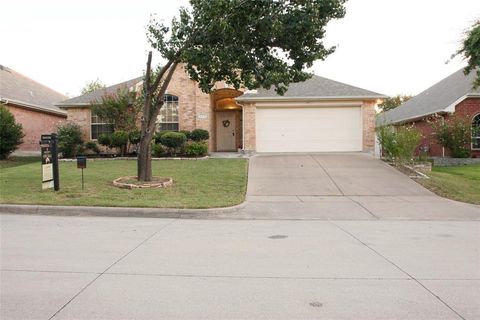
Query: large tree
[92,86]
[470,50]
[393,102]
[261,43]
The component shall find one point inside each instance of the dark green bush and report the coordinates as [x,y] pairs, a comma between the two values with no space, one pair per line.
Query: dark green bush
[105,140]
[119,141]
[92,146]
[158,150]
[199,135]
[455,135]
[70,141]
[173,140]
[187,134]
[11,133]
[134,136]
[158,136]
[196,149]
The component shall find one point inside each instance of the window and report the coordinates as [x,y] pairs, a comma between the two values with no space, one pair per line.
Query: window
[99,126]
[476,132]
[167,119]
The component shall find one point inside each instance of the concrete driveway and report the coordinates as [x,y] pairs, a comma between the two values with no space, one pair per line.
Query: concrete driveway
[341,186]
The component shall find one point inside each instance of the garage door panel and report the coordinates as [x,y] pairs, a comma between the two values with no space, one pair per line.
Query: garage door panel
[309,129]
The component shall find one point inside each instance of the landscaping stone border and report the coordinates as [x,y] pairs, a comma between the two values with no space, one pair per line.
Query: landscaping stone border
[448,162]
[124,185]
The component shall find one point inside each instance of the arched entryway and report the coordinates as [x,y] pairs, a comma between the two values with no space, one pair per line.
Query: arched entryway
[228,120]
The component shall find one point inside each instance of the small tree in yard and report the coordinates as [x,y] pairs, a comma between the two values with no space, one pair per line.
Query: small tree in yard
[245,43]
[455,134]
[92,86]
[399,143]
[11,133]
[70,141]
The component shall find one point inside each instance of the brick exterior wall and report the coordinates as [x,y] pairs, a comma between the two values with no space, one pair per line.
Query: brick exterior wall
[468,108]
[249,127]
[368,122]
[196,110]
[35,123]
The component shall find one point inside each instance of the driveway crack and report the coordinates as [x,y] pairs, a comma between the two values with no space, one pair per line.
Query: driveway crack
[328,175]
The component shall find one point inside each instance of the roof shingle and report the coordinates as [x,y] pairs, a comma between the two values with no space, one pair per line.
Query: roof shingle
[19,89]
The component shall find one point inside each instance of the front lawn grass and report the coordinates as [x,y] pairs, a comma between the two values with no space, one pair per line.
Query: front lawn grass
[457,183]
[197,184]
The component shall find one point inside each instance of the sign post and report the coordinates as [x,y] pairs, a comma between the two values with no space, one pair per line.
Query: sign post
[82,164]
[50,174]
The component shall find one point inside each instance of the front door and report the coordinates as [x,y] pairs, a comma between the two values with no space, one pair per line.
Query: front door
[226,131]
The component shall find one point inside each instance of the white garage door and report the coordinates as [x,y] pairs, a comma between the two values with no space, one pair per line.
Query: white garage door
[322,129]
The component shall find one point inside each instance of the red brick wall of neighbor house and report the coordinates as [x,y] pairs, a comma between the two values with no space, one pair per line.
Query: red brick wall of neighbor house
[467,108]
[34,124]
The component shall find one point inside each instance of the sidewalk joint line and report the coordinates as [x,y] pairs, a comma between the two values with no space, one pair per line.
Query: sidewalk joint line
[399,268]
[113,264]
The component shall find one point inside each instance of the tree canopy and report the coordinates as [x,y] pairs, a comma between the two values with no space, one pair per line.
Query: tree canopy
[470,51]
[393,102]
[92,86]
[252,44]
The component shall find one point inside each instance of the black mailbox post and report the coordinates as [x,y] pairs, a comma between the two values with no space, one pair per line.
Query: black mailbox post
[82,164]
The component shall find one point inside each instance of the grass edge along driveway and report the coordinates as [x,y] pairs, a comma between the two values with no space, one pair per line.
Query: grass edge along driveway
[207,183]
[460,183]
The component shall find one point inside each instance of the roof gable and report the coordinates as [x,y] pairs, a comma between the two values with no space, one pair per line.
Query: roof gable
[19,89]
[438,98]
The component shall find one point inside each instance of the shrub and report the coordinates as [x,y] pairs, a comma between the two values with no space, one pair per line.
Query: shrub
[158,136]
[199,135]
[134,136]
[399,144]
[11,133]
[196,149]
[92,146]
[187,134]
[455,135]
[119,140]
[173,140]
[70,141]
[158,150]
[105,140]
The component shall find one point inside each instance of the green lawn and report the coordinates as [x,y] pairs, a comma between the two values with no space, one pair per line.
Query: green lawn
[458,183]
[197,184]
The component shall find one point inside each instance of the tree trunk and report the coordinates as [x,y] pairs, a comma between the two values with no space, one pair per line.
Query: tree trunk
[144,160]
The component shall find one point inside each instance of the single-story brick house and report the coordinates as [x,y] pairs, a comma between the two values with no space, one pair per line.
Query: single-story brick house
[313,116]
[453,95]
[32,105]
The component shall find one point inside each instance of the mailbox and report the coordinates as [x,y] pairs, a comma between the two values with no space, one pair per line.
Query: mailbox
[81,162]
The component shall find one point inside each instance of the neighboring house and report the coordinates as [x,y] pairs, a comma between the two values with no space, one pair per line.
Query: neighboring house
[453,95]
[32,105]
[313,116]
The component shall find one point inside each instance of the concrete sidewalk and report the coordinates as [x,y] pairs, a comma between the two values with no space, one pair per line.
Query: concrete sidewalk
[140,268]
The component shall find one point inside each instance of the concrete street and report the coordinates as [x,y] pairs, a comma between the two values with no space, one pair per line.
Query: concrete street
[356,240]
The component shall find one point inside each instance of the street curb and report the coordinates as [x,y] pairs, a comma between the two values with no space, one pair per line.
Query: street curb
[48,210]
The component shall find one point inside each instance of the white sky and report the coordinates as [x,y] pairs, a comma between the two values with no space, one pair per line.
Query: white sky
[387,46]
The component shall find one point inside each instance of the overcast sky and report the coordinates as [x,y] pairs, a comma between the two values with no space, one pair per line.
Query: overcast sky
[387,46]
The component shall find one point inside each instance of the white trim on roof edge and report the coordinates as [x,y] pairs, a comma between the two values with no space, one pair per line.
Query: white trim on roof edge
[323,98]
[32,106]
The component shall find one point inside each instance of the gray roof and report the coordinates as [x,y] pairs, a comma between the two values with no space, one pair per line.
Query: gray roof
[315,87]
[88,98]
[436,99]
[23,91]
